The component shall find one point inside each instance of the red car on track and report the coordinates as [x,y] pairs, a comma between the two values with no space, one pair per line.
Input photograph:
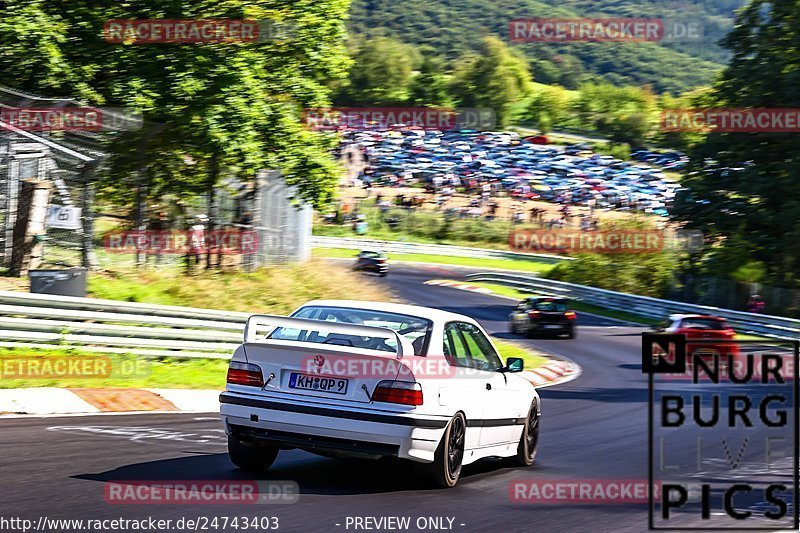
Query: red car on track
[702,327]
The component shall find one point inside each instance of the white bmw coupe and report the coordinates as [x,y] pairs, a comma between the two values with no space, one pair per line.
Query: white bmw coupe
[366,379]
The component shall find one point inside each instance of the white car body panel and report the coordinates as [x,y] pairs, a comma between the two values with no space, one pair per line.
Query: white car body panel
[495,404]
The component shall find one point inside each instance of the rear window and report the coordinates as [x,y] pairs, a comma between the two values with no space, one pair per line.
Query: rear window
[372,255]
[703,323]
[550,305]
[415,329]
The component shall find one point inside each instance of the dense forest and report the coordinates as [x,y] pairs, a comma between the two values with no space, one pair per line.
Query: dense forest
[453,28]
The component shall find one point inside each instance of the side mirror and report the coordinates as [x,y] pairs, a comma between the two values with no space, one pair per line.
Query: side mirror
[515,364]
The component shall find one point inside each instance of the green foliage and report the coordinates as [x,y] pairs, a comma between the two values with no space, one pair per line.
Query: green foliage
[381,73]
[549,107]
[624,114]
[430,86]
[209,108]
[754,211]
[456,28]
[494,78]
[647,274]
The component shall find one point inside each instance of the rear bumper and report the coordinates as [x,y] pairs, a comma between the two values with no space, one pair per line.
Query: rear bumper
[551,328]
[356,431]
[710,348]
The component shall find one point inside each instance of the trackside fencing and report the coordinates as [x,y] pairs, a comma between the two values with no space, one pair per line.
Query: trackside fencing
[40,321]
[774,326]
[50,322]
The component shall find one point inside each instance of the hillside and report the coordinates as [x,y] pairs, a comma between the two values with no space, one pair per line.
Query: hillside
[453,27]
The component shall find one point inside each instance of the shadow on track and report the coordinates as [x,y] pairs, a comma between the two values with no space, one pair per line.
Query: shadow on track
[315,475]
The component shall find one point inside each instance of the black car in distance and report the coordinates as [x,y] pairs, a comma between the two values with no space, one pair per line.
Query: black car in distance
[543,315]
[372,261]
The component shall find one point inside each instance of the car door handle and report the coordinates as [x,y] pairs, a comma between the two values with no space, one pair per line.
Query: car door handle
[488,386]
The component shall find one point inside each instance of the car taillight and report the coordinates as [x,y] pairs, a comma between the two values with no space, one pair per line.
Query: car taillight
[571,315]
[730,333]
[533,314]
[245,374]
[405,392]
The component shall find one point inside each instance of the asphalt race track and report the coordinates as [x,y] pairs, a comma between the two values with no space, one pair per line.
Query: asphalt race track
[594,427]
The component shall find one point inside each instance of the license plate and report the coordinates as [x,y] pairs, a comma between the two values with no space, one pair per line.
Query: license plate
[552,326]
[317,383]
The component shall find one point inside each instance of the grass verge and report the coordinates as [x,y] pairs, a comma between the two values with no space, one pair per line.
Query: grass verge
[278,290]
[506,264]
[509,349]
[23,367]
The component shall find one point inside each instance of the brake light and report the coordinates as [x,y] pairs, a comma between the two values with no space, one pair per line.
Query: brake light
[404,392]
[730,333]
[571,315]
[533,314]
[245,374]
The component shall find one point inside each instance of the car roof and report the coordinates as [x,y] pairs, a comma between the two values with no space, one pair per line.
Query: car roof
[436,315]
[690,315]
[543,297]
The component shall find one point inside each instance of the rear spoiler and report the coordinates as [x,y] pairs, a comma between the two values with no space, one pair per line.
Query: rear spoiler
[262,322]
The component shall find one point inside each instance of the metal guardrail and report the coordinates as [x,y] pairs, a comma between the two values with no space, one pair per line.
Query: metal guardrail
[400,247]
[768,325]
[40,321]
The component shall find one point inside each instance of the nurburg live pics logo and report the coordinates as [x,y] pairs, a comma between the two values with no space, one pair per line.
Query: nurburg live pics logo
[736,423]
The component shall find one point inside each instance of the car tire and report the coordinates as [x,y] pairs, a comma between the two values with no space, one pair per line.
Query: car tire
[251,458]
[512,328]
[530,331]
[383,274]
[529,441]
[446,467]
[572,334]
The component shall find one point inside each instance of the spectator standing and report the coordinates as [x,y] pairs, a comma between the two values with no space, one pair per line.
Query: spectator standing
[197,239]
[756,304]
[159,227]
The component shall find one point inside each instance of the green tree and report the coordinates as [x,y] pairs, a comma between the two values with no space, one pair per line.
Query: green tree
[381,74]
[746,198]
[624,114]
[222,107]
[549,108]
[430,85]
[495,78]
